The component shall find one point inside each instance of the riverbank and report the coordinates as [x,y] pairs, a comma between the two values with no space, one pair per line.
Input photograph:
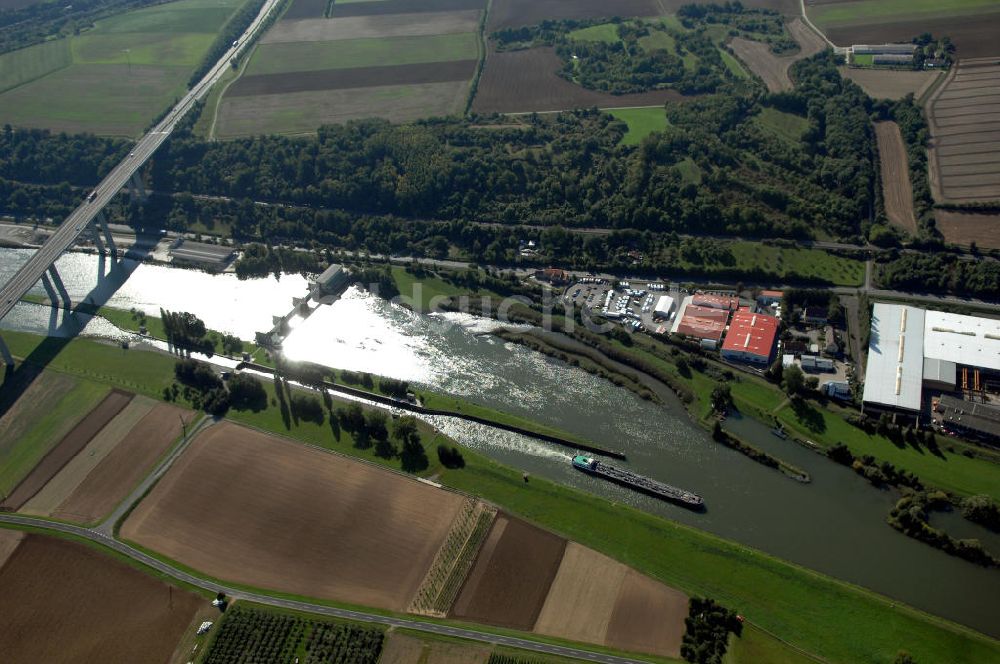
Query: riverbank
[778,596]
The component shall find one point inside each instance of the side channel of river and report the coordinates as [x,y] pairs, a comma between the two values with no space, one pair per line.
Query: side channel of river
[835,525]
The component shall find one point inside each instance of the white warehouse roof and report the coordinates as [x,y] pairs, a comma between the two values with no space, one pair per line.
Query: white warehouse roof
[664,305]
[968,340]
[894,375]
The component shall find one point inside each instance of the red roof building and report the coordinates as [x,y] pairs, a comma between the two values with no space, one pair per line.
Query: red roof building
[703,322]
[751,338]
[725,302]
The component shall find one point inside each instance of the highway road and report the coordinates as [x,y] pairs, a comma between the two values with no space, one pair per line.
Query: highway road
[111,185]
[360,616]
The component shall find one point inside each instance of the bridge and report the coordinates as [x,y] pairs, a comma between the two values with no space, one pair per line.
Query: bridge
[88,217]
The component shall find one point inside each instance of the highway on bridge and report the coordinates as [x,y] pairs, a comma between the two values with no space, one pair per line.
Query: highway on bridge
[308,607]
[77,222]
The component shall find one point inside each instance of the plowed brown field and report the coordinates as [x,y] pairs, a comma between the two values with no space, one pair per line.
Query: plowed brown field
[67,448]
[974,36]
[895,170]
[772,69]
[357,77]
[131,460]
[248,507]
[9,539]
[964,119]
[526,80]
[360,27]
[63,602]
[512,575]
[648,617]
[965,228]
[404,649]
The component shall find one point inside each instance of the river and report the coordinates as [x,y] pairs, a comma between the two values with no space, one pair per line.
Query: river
[835,525]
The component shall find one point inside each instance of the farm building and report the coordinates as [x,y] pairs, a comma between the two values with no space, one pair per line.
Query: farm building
[199,254]
[892,59]
[913,349]
[751,338]
[552,276]
[332,281]
[699,322]
[664,306]
[884,49]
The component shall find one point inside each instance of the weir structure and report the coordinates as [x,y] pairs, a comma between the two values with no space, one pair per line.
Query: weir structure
[89,217]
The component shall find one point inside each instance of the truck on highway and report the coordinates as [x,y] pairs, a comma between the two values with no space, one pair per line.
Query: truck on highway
[91,196]
[236,42]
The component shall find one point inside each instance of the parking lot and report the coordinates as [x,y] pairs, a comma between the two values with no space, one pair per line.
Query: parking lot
[631,303]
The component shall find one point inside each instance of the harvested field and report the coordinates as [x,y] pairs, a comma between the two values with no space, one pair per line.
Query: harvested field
[305,9]
[512,575]
[121,470]
[405,649]
[526,81]
[973,36]
[57,489]
[337,529]
[9,539]
[772,69]
[890,84]
[358,77]
[403,7]
[582,597]
[515,13]
[648,617]
[362,27]
[595,599]
[303,112]
[894,167]
[964,120]
[63,602]
[68,447]
[965,228]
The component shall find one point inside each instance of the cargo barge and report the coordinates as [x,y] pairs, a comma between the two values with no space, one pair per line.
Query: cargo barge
[638,482]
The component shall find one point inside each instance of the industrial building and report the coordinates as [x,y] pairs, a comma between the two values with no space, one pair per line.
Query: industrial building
[698,322]
[976,420]
[331,282]
[725,302]
[751,338]
[664,306]
[884,49]
[913,349]
[213,257]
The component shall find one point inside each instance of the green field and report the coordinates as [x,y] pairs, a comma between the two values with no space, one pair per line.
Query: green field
[863,60]
[885,11]
[27,64]
[605,32]
[658,40]
[787,126]
[115,77]
[733,65]
[690,173]
[787,262]
[641,122]
[348,53]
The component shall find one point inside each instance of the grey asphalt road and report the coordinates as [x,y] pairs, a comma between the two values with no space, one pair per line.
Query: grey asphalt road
[76,223]
[308,607]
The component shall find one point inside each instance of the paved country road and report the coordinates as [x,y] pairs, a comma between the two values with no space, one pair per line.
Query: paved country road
[308,607]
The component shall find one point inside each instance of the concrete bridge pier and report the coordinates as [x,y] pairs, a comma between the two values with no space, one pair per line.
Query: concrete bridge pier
[103,223]
[5,355]
[95,235]
[50,289]
[136,188]
[57,280]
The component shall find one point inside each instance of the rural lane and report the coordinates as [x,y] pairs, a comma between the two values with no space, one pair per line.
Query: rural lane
[308,607]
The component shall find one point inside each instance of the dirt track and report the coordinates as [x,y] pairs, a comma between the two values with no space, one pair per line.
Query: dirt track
[63,602]
[526,80]
[512,575]
[68,447]
[247,507]
[895,170]
[133,458]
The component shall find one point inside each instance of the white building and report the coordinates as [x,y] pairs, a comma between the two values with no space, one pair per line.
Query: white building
[664,306]
[913,348]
